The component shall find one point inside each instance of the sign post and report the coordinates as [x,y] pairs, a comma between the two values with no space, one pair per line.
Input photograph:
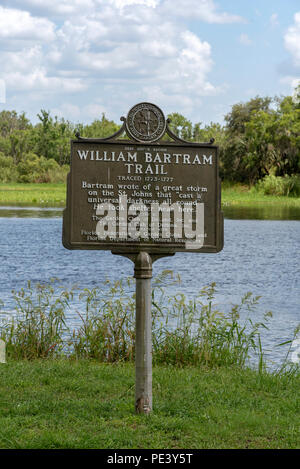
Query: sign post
[143,341]
[143,197]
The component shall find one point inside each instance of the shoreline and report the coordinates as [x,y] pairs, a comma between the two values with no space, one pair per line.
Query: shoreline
[48,195]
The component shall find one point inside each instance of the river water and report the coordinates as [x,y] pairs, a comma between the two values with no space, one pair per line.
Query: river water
[259,255]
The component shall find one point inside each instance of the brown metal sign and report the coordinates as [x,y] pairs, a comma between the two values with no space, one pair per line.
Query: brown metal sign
[143,194]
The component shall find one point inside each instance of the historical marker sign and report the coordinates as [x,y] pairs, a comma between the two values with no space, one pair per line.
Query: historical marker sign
[143,198]
[143,194]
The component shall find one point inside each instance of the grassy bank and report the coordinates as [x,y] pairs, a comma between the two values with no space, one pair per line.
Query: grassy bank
[85,404]
[238,195]
[54,195]
[33,195]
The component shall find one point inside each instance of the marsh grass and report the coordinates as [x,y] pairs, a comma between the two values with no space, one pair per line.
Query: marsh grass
[201,334]
[36,328]
[33,194]
[185,331]
[107,330]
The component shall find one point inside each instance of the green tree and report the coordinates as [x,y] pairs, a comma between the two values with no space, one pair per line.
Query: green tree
[296,96]
[181,126]
[241,113]
[52,137]
[205,134]
[11,121]
[244,150]
[287,136]
[8,171]
[99,128]
[20,142]
[4,145]
[15,134]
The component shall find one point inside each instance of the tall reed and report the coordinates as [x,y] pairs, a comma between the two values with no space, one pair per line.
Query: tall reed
[36,327]
[107,330]
[201,334]
[185,331]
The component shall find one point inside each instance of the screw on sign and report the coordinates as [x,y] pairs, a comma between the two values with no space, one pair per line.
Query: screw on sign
[144,198]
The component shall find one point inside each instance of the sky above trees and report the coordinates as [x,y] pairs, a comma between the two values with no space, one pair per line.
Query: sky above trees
[80,58]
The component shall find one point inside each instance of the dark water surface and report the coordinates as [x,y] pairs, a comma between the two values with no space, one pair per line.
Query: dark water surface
[261,256]
[257,212]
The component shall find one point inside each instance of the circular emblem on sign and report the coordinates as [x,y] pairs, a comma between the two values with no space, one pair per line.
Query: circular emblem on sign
[145,122]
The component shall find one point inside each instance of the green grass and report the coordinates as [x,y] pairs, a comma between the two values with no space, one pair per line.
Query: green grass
[54,195]
[241,195]
[85,404]
[33,195]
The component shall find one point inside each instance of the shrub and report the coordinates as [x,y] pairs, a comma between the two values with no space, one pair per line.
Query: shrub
[8,171]
[280,185]
[31,168]
[28,168]
[57,173]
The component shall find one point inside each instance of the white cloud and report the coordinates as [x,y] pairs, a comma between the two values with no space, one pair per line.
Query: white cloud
[17,24]
[124,3]
[115,51]
[292,81]
[75,113]
[37,80]
[26,70]
[93,111]
[67,111]
[292,39]
[292,44]
[245,40]
[53,8]
[2,91]
[204,10]
[195,63]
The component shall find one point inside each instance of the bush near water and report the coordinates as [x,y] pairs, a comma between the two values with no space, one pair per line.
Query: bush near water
[259,144]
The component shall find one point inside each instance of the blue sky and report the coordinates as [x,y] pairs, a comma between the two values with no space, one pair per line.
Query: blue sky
[198,57]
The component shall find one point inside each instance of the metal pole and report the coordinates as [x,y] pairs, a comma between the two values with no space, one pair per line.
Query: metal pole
[2,351]
[143,336]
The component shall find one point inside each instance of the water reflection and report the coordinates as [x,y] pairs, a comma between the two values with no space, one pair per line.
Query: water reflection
[30,212]
[233,212]
[274,212]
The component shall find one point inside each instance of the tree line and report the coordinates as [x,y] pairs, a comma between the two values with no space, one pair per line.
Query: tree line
[260,138]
